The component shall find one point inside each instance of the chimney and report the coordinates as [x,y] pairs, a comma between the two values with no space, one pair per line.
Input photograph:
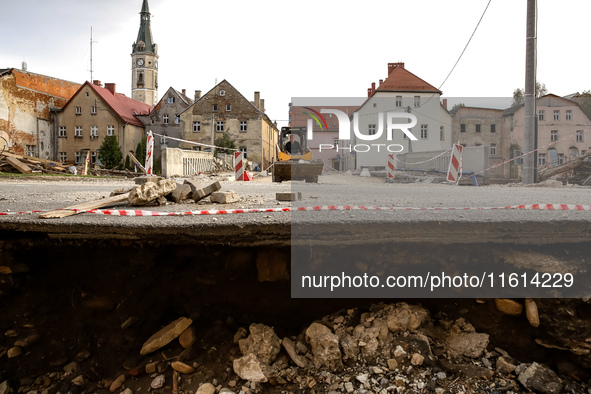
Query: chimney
[184,92]
[96,82]
[381,81]
[110,87]
[373,86]
[369,92]
[257,99]
[445,103]
[262,108]
[393,66]
[197,94]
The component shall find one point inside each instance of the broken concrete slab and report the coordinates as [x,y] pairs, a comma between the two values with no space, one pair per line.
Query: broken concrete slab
[206,191]
[182,192]
[225,197]
[150,191]
[140,180]
[194,184]
[297,196]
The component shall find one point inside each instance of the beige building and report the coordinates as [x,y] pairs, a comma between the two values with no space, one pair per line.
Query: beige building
[225,110]
[93,113]
[144,62]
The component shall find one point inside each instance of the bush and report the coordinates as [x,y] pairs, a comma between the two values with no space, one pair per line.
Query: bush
[110,152]
[225,142]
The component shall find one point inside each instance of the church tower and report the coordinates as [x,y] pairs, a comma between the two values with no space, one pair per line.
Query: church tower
[144,62]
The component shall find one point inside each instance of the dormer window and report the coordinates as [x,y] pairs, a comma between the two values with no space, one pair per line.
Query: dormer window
[141,46]
[222,92]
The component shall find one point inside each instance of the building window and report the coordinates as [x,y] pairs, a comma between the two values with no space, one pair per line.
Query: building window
[554,135]
[30,150]
[215,108]
[574,152]
[335,142]
[163,141]
[86,94]
[171,100]
[78,156]
[110,130]
[560,158]
[417,101]
[243,150]
[478,128]
[222,92]
[177,120]
[196,127]
[228,107]
[62,132]
[78,110]
[493,149]
[493,128]
[78,131]
[424,131]
[165,119]
[243,126]
[462,128]
[62,157]
[541,159]
[219,126]
[541,115]
[441,133]
[579,135]
[93,131]
[93,110]
[92,157]
[398,101]
[569,114]
[556,114]
[518,161]
[372,129]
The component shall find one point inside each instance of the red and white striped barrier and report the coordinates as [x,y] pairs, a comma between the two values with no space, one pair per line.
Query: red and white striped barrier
[149,154]
[238,166]
[454,171]
[390,167]
[424,161]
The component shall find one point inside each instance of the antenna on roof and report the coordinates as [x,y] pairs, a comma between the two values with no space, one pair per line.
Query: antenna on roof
[91,53]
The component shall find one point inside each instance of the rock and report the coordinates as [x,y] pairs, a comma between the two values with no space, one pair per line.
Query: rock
[417,359]
[117,383]
[392,364]
[78,380]
[399,351]
[4,270]
[158,382]
[206,388]
[508,306]
[5,388]
[11,333]
[127,391]
[504,367]
[404,317]
[14,352]
[225,197]
[188,337]
[201,193]
[182,192]
[140,180]
[289,347]
[295,196]
[339,320]
[325,347]
[350,347]
[151,367]
[362,378]
[262,342]
[463,340]
[181,367]
[165,335]
[70,367]
[531,312]
[226,391]
[150,191]
[441,375]
[469,370]
[249,368]
[538,378]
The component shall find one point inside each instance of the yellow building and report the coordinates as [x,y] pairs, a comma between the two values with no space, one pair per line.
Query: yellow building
[92,114]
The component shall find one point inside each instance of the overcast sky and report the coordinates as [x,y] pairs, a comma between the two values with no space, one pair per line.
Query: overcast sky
[302,48]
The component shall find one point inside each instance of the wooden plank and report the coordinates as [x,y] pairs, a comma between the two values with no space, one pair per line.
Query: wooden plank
[104,202]
[21,157]
[137,162]
[19,165]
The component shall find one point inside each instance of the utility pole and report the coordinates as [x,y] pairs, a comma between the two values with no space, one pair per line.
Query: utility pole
[90,54]
[529,140]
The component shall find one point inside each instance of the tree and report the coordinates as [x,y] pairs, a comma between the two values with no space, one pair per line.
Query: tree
[110,152]
[456,106]
[140,150]
[584,100]
[519,94]
[225,142]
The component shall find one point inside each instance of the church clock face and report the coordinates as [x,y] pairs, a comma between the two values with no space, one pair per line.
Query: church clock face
[140,62]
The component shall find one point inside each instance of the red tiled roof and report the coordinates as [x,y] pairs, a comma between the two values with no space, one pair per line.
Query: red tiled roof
[123,106]
[402,80]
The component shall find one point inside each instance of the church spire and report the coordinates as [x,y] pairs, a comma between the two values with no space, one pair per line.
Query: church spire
[144,42]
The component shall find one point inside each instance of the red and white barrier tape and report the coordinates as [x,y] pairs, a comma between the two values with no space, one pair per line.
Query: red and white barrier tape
[136,212]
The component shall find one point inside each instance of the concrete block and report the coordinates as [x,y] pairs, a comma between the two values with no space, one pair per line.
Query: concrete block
[297,196]
[194,184]
[140,180]
[225,197]
[149,191]
[182,192]
[206,191]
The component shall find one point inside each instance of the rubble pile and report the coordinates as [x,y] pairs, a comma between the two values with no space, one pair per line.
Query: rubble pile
[392,348]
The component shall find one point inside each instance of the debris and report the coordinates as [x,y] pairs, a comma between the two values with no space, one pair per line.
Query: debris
[14,352]
[188,337]
[206,388]
[150,191]
[224,197]
[325,347]
[531,312]
[182,192]
[262,342]
[158,382]
[136,162]
[297,196]
[140,180]
[117,383]
[201,193]
[538,378]
[181,367]
[19,165]
[249,368]
[289,347]
[508,306]
[165,335]
[73,210]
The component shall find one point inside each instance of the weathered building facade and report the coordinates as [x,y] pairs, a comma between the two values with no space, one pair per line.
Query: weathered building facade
[225,110]
[93,113]
[401,92]
[28,103]
[144,62]
[165,120]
